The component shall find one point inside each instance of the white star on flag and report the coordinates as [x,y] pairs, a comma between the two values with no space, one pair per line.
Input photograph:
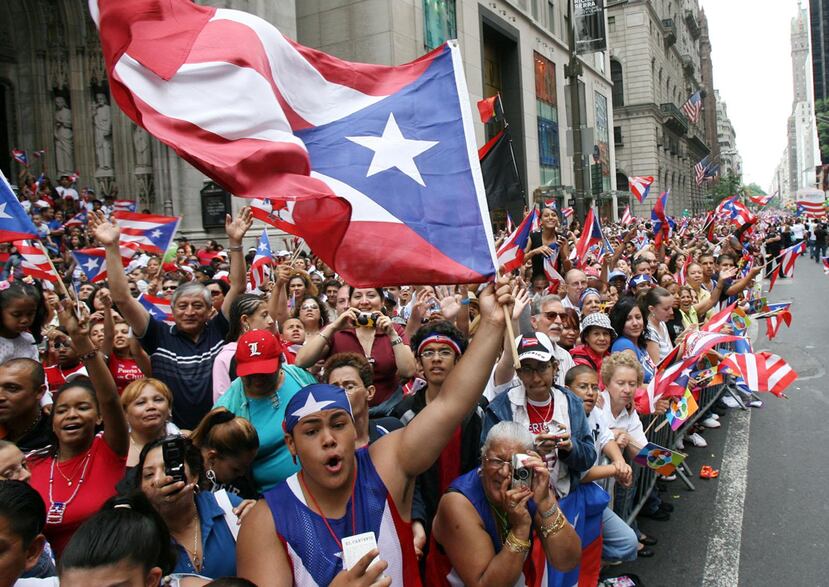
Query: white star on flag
[156,233]
[263,247]
[3,211]
[311,406]
[392,149]
[91,264]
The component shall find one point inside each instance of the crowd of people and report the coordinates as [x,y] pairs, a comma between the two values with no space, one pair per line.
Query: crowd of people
[308,432]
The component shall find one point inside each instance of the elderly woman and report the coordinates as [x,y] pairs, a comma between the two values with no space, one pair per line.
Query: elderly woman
[590,302]
[363,329]
[488,532]
[596,336]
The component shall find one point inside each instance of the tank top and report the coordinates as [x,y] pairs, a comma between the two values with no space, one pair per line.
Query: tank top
[313,552]
[439,571]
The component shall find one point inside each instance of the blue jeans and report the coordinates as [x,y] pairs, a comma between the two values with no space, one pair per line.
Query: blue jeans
[619,541]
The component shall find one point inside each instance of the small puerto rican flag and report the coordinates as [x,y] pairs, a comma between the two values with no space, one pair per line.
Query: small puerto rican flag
[93,261]
[21,157]
[150,232]
[260,268]
[158,307]
[124,206]
[511,253]
[640,186]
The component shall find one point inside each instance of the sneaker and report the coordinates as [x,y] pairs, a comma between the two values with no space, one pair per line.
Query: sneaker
[710,422]
[730,402]
[679,444]
[714,415]
[755,403]
[671,477]
[697,440]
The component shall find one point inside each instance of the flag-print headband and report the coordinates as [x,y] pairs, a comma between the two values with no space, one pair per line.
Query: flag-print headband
[439,339]
[315,398]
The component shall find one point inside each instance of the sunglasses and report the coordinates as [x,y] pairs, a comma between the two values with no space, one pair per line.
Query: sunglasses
[553,315]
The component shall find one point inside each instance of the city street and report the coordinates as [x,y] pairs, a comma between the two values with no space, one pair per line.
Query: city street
[763,521]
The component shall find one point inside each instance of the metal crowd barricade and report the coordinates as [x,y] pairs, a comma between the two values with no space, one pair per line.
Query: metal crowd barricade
[628,502]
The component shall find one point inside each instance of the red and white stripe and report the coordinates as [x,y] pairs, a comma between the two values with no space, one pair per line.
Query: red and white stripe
[135,227]
[568,213]
[761,371]
[718,320]
[35,262]
[773,323]
[627,217]
[812,209]
[786,262]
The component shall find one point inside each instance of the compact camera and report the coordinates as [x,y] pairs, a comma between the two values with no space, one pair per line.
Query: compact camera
[521,476]
[368,319]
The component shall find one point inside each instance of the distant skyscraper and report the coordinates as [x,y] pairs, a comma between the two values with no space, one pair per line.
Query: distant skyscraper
[819,17]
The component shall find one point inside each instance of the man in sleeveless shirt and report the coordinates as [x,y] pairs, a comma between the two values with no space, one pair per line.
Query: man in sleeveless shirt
[294,535]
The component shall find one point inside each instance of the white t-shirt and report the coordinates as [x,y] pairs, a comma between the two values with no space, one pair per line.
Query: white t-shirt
[21,346]
[600,431]
[797,231]
[660,335]
[628,421]
[67,193]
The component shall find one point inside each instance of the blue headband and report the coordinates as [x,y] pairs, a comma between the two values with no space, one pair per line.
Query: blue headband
[590,291]
[640,279]
[315,398]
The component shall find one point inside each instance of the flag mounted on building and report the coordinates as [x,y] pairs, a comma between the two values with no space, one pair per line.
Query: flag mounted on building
[150,232]
[260,267]
[15,224]
[693,107]
[511,252]
[640,186]
[500,174]
[252,110]
[705,170]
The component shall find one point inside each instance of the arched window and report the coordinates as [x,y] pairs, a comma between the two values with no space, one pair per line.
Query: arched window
[618,79]
[622,182]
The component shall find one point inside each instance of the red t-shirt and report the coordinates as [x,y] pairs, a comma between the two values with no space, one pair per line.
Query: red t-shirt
[382,355]
[55,376]
[540,415]
[104,470]
[124,371]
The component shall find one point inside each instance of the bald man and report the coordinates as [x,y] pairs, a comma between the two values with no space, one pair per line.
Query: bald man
[576,281]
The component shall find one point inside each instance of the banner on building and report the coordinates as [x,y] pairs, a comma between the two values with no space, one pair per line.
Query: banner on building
[589,23]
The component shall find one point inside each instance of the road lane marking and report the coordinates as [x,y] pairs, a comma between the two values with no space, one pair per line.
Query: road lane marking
[722,557]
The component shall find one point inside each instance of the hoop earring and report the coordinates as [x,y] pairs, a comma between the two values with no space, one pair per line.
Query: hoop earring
[211,476]
[293,458]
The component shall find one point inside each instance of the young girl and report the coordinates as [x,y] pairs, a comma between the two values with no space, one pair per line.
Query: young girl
[21,317]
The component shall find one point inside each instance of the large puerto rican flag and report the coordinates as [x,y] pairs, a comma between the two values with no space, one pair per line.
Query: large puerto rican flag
[266,118]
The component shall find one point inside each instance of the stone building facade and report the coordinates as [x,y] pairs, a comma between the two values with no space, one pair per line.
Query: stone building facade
[657,50]
[730,160]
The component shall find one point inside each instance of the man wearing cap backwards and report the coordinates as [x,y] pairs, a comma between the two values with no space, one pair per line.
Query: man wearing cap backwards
[260,395]
[294,535]
[554,415]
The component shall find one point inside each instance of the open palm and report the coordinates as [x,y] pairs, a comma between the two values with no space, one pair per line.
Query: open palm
[104,231]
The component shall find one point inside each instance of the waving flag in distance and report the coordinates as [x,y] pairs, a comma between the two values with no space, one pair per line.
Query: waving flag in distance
[662,224]
[693,107]
[150,232]
[511,252]
[761,199]
[777,314]
[761,371]
[733,210]
[510,224]
[15,224]
[34,261]
[93,261]
[785,262]
[627,217]
[252,109]
[568,213]
[158,307]
[716,322]
[700,169]
[486,108]
[124,205]
[79,219]
[640,186]
[21,157]
[592,238]
[260,267]
[681,276]
[39,154]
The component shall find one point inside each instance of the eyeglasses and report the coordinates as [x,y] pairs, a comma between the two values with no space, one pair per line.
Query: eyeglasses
[58,344]
[551,316]
[529,370]
[169,287]
[497,464]
[308,307]
[13,472]
[442,353]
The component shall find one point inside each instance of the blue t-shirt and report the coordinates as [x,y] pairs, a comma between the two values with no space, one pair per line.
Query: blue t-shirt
[273,462]
[625,344]
[218,544]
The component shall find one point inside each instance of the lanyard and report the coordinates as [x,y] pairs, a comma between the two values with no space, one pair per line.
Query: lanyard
[322,514]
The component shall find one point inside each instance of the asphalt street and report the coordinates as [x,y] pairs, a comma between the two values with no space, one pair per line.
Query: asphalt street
[765,520]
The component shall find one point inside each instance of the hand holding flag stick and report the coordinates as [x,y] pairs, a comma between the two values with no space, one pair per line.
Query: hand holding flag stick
[61,285]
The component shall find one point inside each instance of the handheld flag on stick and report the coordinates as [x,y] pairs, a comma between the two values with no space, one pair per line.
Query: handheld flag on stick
[662,460]
[681,409]
[159,308]
[21,157]
[486,108]
[662,224]
[263,259]
[35,261]
[785,262]
[640,186]
[93,261]
[150,232]
[511,253]
[124,206]
[15,224]
[592,236]
[761,371]
[627,217]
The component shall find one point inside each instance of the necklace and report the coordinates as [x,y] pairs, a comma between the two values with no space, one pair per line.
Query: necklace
[57,509]
[545,417]
[198,562]
[322,514]
[71,475]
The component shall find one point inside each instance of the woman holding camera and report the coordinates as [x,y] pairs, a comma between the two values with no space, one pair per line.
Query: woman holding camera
[204,529]
[363,329]
[491,530]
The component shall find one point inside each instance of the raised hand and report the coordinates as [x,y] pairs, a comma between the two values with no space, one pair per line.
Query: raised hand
[105,231]
[235,228]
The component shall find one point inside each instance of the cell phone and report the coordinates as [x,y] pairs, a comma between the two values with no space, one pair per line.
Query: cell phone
[172,451]
[522,476]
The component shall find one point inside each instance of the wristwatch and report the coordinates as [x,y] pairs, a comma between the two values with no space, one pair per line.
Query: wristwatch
[396,341]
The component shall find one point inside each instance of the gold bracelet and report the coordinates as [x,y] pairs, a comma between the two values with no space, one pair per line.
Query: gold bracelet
[554,528]
[517,545]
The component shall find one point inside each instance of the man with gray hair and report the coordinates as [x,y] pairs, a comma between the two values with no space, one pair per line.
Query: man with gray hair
[181,355]
[576,281]
[547,317]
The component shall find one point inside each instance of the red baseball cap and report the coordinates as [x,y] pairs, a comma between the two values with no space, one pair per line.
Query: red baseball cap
[258,352]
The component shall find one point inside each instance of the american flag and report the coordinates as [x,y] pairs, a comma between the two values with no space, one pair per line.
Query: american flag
[693,107]
[699,170]
[627,217]
[761,371]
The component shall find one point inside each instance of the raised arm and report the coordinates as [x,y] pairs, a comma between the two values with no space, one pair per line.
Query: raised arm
[108,234]
[414,449]
[702,307]
[315,347]
[743,283]
[116,432]
[278,301]
[109,324]
[235,228]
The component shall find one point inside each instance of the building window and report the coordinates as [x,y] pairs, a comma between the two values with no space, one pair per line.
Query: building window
[551,16]
[601,154]
[611,24]
[617,77]
[439,22]
[617,136]
[547,118]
